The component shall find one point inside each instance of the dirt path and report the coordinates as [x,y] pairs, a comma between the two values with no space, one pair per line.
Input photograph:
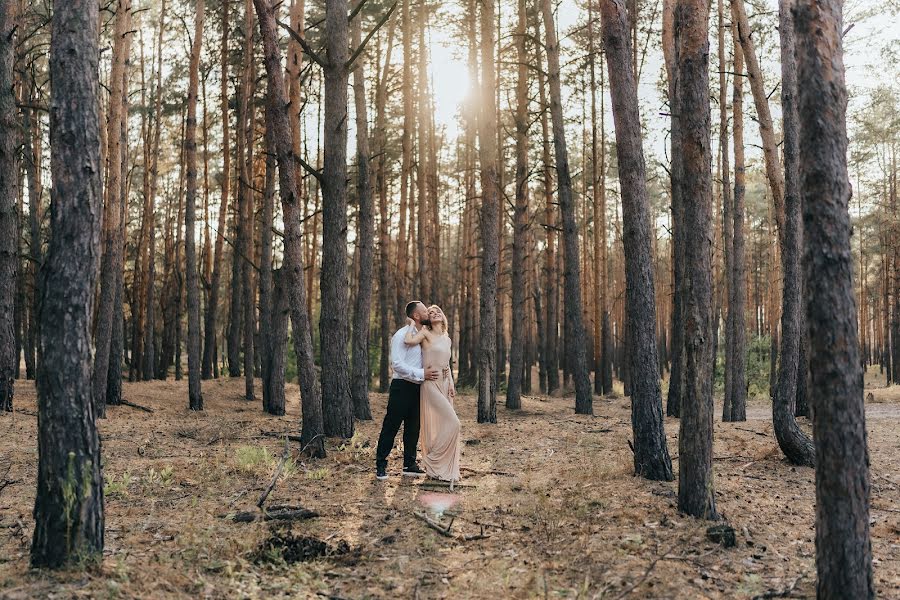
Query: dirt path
[550,492]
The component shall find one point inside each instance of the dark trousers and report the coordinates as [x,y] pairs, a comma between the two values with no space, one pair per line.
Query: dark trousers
[402,408]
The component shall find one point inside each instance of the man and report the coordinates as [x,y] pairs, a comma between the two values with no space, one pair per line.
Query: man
[403,398]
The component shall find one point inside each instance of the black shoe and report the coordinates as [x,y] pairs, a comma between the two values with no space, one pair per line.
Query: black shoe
[381,473]
[413,471]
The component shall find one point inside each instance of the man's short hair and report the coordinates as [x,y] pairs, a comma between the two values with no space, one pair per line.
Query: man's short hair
[411,308]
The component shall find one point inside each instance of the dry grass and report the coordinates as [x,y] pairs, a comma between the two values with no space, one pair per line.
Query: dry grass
[553,490]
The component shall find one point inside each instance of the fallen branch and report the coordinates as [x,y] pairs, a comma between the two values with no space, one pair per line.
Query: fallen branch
[278,470]
[276,513]
[137,406]
[434,524]
[753,432]
[477,472]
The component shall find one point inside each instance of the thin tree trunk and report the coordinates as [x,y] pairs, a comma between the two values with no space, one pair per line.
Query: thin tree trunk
[359,376]
[520,219]
[735,408]
[195,398]
[68,509]
[311,435]
[696,494]
[676,370]
[576,336]
[270,344]
[651,454]
[551,337]
[795,444]
[333,331]
[211,320]
[727,212]
[112,212]
[489,222]
[843,545]
[9,238]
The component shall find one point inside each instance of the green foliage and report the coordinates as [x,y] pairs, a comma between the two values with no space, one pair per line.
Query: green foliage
[758,367]
[114,487]
[251,458]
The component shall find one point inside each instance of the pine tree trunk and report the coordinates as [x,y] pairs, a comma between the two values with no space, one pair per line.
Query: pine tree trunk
[651,455]
[112,211]
[9,238]
[212,310]
[676,370]
[359,376]
[520,220]
[551,337]
[68,510]
[269,343]
[576,336]
[311,436]
[797,447]
[195,398]
[333,331]
[727,213]
[489,222]
[696,495]
[843,545]
[735,408]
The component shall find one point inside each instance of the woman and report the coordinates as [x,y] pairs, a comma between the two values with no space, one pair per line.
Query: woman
[439,424]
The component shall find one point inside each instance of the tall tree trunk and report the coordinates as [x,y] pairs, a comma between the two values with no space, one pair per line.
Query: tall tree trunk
[244,193]
[727,212]
[270,343]
[195,399]
[843,545]
[551,338]
[651,454]
[311,435]
[32,153]
[520,220]
[676,370]
[68,509]
[9,238]
[764,116]
[696,495]
[735,407]
[333,330]
[797,447]
[489,222]
[248,297]
[112,212]
[211,320]
[576,336]
[359,376]
[117,342]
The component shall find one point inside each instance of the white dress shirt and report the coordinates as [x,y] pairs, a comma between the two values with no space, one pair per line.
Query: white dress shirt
[406,360]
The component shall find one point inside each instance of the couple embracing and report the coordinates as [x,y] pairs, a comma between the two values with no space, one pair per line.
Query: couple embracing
[421,398]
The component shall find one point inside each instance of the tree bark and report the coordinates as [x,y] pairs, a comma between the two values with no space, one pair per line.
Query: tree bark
[735,406]
[795,444]
[269,343]
[112,212]
[696,495]
[676,370]
[576,336]
[68,509]
[333,330]
[211,317]
[195,398]
[489,221]
[9,238]
[520,220]
[651,454]
[311,435]
[843,545]
[359,376]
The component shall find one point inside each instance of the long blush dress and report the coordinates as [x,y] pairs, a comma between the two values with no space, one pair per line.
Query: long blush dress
[440,427]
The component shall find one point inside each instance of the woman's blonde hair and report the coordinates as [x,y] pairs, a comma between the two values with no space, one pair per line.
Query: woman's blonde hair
[445,324]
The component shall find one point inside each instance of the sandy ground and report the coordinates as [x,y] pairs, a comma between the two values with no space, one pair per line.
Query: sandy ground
[550,495]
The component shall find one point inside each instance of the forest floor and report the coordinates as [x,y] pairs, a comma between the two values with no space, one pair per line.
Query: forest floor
[552,493]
